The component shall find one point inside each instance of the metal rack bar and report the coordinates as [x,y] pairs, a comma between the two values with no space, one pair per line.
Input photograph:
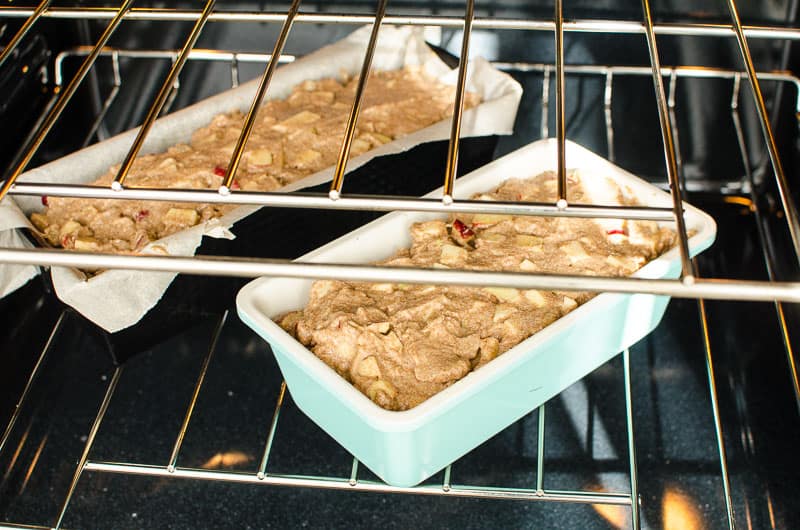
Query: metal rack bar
[356,202]
[22,526]
[23,30]
[63,98]
[669,146]
[173,94]
[792,215]
[173,459]
[112,385]
[487,22]
[720,437]
[540,450]
[352,119]
[15,415]
[763,239]
[263,85]
[353,480]
[673,123]
[273,427]
[195,54]
[162,96]
[607,98]
[626,368]
[235,70]
[349,202]
[456,490]
[458,107]
[674,171]
[713,289]
[561,164]
[697,72]
[112,96]
[544,131]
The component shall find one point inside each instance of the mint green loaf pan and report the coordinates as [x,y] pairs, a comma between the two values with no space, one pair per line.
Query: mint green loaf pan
[404,448]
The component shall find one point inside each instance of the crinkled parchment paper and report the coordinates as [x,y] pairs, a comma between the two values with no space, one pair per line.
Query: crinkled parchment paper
[116,299]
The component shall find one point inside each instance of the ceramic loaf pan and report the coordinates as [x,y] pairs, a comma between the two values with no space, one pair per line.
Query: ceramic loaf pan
[404,448]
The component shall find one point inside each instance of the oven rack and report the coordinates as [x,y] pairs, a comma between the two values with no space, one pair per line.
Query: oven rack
[262,476]
[690,286]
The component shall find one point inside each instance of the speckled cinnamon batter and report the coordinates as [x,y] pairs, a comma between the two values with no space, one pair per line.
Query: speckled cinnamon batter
[292,138]
[401,344]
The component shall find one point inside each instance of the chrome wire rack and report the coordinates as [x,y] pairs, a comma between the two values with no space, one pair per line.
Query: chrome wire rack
[689,285]
[665,82]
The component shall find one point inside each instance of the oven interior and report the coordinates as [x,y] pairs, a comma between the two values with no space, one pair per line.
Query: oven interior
[695,426]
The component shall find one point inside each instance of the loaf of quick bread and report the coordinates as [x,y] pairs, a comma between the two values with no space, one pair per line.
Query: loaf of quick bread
[401,344]
[292,138]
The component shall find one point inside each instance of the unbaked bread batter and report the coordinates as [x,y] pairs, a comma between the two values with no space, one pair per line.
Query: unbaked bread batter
[401,344]
[292,138]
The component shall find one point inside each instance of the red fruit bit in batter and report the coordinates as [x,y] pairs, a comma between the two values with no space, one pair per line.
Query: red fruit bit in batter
[463,229]
[68,241]
[615,231]
[220,171]
[141,214]
[44,200]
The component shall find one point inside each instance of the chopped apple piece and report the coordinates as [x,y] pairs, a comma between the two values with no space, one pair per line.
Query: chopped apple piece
[506,294]
[39,220]
[453,255]
[528,266]
[380,327]
[641,233]
[526,240]
[306,158]
[182,216]
[382,287]
[534,297]
[502,312]
[490,347]
[489,218]
[569,303]
[617,238]
[168,164]
[69,228]
[429,228]
[368,367]
[493,237]
[86,243]
[321,288]
[227,149]
[439,266]
[359,146]
[574,251]
[382,387]
[511,328]
[614,261]
[322,97]
[261,157]
[298,120]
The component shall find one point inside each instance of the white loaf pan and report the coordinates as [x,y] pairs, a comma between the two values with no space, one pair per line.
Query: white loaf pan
[404,448]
